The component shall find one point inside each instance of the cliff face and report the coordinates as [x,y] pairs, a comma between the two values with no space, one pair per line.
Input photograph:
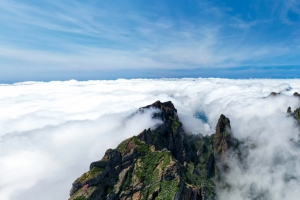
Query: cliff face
[163,163]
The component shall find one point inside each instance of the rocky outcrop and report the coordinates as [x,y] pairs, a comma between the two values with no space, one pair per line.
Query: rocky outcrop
[296,94]
[161,163]
[296,113]
[272,94]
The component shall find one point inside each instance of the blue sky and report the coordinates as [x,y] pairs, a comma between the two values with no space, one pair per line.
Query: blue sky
[60,40]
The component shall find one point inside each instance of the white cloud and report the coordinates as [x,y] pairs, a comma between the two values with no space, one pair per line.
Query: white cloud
[51,132]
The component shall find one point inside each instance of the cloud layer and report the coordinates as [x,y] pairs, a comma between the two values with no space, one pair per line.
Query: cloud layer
[51,132]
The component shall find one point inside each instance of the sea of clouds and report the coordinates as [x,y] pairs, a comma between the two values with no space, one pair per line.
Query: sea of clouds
[51,132]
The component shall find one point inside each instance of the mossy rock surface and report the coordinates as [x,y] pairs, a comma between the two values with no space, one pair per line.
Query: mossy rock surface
[94,172]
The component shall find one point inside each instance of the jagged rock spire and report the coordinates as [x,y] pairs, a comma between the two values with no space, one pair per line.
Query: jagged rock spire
[164,163]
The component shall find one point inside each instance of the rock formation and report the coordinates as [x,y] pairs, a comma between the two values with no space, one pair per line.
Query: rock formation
[161,163]
[296,94]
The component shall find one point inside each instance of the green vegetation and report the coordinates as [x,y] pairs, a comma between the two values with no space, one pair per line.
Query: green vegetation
[209,186]
[175,125]
[110,189]
[84,193]
[79,195]
[122,146]
[167,160]
[168,190]
[297,114]
[149,190]
[80,198]
[189,171]
[127,182]
[141,146]
[196,175]
[147,167]
[153,188]
[95,171]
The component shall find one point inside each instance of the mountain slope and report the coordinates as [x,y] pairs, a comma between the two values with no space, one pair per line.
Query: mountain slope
[163,163]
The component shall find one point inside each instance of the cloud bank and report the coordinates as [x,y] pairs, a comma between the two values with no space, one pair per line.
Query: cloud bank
[51,132]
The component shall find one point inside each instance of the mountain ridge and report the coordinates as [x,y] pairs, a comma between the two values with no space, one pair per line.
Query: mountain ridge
[162,163]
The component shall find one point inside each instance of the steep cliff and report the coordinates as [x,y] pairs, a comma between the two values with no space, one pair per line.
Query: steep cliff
[161,163]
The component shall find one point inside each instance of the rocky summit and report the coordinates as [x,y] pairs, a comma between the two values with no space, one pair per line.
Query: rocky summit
[160,163]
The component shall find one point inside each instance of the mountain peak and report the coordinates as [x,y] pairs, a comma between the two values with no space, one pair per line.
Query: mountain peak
[160,163]
[223,124]
[164,107]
